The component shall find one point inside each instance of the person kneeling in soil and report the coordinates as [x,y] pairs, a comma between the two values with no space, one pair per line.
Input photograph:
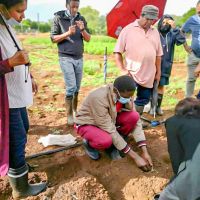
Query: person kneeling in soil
[183,138]
[107,117]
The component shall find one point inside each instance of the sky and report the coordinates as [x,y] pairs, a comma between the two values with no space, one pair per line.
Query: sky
[44,9]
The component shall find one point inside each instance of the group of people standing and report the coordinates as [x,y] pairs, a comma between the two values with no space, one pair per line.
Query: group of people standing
[108,114]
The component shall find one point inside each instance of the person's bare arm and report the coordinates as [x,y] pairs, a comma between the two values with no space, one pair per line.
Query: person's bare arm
[64,36]
[140,161]
[19,58]
[158,68]
[145,155]
[85,34]
[120,63]
[129,106]
[187,48]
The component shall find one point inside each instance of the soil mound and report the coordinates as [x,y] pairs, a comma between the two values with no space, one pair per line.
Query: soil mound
[81,187]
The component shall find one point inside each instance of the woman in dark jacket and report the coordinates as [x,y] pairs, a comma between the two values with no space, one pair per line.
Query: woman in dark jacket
[169,36]
[183,137]
[183,131]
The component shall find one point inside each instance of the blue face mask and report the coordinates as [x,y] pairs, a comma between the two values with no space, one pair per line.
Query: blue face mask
[121,99]
[124,100]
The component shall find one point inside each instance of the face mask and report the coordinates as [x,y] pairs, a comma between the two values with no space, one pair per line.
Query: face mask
[165,29]
[12,22]
[123,100]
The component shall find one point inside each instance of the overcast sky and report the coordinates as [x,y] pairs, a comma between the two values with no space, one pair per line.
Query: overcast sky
[46,8]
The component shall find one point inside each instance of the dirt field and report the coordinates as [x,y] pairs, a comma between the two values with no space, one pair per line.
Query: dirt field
[71,174]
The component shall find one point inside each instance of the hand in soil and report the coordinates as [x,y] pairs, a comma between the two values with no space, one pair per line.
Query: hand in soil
[147,157]
[143,165]
[140,162]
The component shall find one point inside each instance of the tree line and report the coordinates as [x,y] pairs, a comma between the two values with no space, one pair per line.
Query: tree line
[96,22]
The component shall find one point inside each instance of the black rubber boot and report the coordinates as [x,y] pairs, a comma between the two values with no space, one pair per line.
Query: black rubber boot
[18,179]
[75,102]
[69,109]
[158,109]
[152,109]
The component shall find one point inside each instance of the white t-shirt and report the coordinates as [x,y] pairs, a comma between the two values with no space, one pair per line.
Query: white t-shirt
[19,93]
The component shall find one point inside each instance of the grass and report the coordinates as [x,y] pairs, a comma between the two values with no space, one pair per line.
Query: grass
[98,44]
[180,54]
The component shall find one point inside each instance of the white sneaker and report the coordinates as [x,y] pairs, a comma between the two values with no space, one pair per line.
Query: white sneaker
[147,108]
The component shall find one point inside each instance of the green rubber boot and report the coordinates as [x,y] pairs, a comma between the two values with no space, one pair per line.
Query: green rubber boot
[18,179]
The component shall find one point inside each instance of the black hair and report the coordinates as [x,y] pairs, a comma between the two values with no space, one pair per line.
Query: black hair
[68,1]
[198,2]
[161,20]
[124,83]
[188,107]
[10,3]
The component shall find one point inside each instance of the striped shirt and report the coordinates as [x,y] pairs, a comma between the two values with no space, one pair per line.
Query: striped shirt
[19,93]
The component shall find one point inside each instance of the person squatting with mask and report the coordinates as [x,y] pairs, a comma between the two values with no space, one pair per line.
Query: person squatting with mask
[69,29]
[170,36]
[19,88]
[107,117]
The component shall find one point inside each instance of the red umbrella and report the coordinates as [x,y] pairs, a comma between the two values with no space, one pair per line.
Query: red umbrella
[126,11]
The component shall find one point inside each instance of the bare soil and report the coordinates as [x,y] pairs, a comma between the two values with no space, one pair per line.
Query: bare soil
[71,174]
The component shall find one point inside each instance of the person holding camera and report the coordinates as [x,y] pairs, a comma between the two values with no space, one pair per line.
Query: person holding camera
[170,36]
[69,29]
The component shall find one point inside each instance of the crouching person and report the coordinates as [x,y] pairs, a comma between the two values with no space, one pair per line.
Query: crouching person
[183,140]
[107,117]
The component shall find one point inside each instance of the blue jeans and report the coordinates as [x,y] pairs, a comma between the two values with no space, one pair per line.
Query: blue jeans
[143,95]
[19,126]
[73,71]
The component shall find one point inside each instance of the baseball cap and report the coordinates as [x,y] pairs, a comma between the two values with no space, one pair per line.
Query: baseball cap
[150,12]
